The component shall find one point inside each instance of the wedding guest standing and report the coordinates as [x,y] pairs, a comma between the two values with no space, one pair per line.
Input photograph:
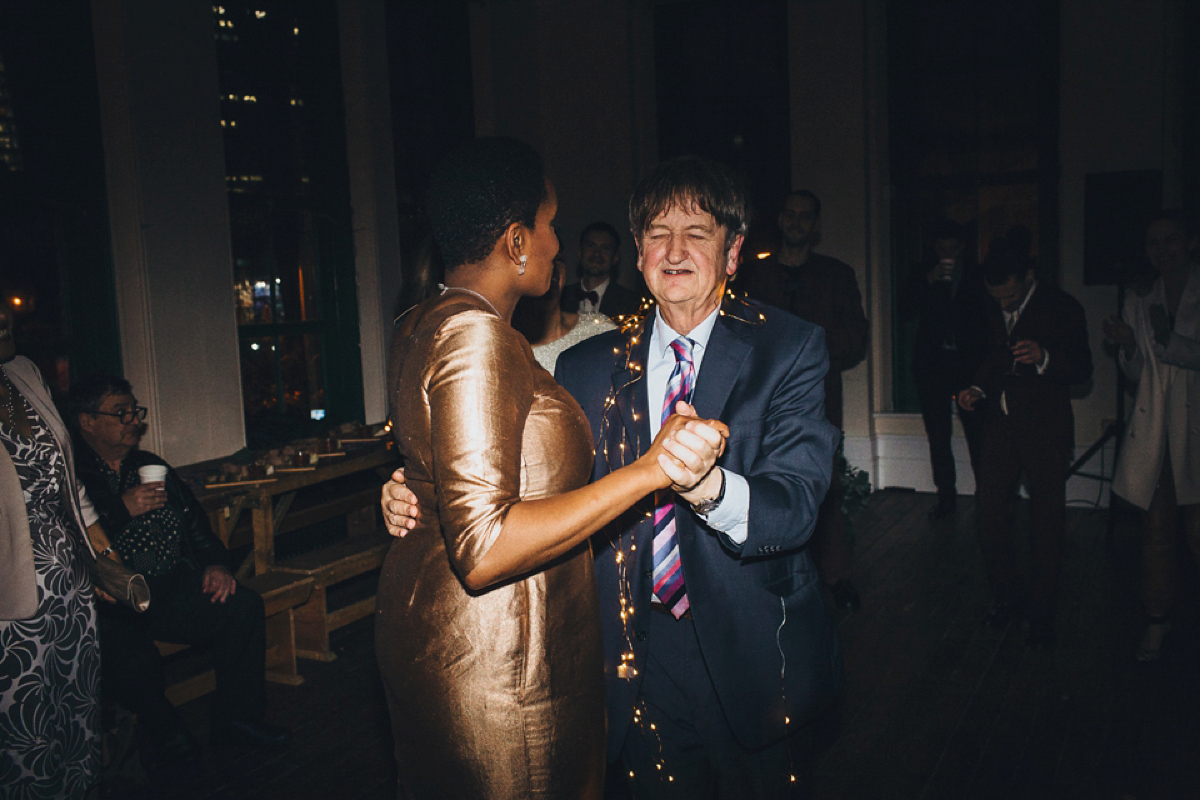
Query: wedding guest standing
[49,655]
[1159,469]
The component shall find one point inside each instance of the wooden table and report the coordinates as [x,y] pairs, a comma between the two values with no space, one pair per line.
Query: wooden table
[270,502]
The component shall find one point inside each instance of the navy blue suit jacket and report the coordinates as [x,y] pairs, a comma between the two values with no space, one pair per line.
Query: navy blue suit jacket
[765,633]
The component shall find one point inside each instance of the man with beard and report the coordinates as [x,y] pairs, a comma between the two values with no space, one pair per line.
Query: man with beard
[599,267]
[824,291]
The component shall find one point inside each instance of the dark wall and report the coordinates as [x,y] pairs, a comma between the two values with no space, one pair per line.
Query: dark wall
[722,91]
[54,233]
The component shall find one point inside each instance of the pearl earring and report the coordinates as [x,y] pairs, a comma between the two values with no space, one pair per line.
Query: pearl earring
[521,269]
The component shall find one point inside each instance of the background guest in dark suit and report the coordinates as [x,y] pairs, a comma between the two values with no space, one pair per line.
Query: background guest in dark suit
[948,300]
[1036,348]
[598,291]
[822,290]
[714,687]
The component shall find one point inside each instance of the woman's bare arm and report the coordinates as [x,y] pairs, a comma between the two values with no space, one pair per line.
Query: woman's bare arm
[538,531]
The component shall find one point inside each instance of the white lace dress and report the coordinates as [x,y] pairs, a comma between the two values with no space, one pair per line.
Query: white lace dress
[588,326]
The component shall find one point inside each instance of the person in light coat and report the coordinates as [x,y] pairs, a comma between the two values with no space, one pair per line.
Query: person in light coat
[1159,468]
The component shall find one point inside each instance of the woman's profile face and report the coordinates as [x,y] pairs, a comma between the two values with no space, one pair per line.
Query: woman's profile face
[543,246]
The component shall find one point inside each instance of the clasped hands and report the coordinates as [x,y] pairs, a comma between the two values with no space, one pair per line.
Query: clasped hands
[685,450]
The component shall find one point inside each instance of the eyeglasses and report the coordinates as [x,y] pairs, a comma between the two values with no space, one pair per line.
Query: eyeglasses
[126,416]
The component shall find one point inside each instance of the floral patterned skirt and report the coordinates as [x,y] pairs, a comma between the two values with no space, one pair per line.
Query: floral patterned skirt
[49,663]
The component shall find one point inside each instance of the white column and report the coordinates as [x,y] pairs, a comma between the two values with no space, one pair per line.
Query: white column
[371,162]
[157,72]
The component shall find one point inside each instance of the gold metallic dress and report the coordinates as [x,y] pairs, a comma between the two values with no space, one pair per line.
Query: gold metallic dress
[494,694]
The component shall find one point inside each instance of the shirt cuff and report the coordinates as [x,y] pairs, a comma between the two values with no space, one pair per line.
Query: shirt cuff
[1041,368]
[732,516]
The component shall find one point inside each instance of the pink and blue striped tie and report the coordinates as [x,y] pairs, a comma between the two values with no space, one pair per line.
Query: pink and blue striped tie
[668,571]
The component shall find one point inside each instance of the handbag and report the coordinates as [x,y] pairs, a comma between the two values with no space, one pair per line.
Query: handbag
[121,582]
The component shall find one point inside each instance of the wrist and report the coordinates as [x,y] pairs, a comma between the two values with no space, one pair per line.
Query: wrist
[705,502]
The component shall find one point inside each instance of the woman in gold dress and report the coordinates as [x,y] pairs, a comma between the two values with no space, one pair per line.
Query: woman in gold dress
[488,632]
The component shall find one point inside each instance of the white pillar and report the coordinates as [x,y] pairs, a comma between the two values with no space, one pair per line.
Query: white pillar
[160,114]
[371,162]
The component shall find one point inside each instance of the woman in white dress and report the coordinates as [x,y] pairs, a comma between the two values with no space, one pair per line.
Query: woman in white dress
[548,328]
[1159,469]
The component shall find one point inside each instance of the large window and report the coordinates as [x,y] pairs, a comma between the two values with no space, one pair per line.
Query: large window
[294,290]
[973,88]
[55,253]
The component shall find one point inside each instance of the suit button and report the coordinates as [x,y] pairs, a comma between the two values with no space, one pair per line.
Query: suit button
[647,573]
[641,636]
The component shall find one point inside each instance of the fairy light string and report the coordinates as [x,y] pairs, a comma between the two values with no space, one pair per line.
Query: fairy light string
[633,327]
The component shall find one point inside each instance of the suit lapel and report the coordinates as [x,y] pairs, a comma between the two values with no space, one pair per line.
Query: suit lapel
[1031,313]
[727,353]
[629,396]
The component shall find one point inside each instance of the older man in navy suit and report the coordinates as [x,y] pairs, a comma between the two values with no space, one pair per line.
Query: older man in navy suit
[711,685]
[718,646]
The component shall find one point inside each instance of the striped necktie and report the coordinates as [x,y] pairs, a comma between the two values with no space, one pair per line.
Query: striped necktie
[668,571]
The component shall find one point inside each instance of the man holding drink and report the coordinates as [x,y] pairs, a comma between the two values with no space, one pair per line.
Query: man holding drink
[158,528]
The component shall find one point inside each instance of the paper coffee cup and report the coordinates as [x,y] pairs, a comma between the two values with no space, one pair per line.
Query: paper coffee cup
[152,473]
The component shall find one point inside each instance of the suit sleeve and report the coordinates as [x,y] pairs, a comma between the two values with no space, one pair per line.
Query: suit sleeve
[1070,356]
[992,353]
[480,391]
[847,340]
[790,474]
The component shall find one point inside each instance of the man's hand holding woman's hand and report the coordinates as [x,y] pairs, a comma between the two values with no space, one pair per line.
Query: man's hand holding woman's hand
[684,452]
[691,448]
[400,509]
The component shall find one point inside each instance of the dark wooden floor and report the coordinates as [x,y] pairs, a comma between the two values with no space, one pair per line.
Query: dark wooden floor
[936,706]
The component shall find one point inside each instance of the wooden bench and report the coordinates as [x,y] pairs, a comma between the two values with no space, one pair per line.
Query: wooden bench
[281,592]
[326,567]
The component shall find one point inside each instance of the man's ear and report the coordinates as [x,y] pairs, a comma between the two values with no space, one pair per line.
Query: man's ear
[87,422]
[735,249]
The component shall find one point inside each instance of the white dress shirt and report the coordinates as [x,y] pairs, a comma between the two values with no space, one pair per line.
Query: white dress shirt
[586,306]
[1010,322]
[732,516]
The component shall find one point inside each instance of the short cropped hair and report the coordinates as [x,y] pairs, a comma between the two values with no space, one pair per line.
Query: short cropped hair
[478,191]
[1004,265]
[603,227]
[806,194]
[88,393]
[691,181]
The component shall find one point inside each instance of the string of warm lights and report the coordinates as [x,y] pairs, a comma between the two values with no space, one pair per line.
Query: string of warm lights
[633,327]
